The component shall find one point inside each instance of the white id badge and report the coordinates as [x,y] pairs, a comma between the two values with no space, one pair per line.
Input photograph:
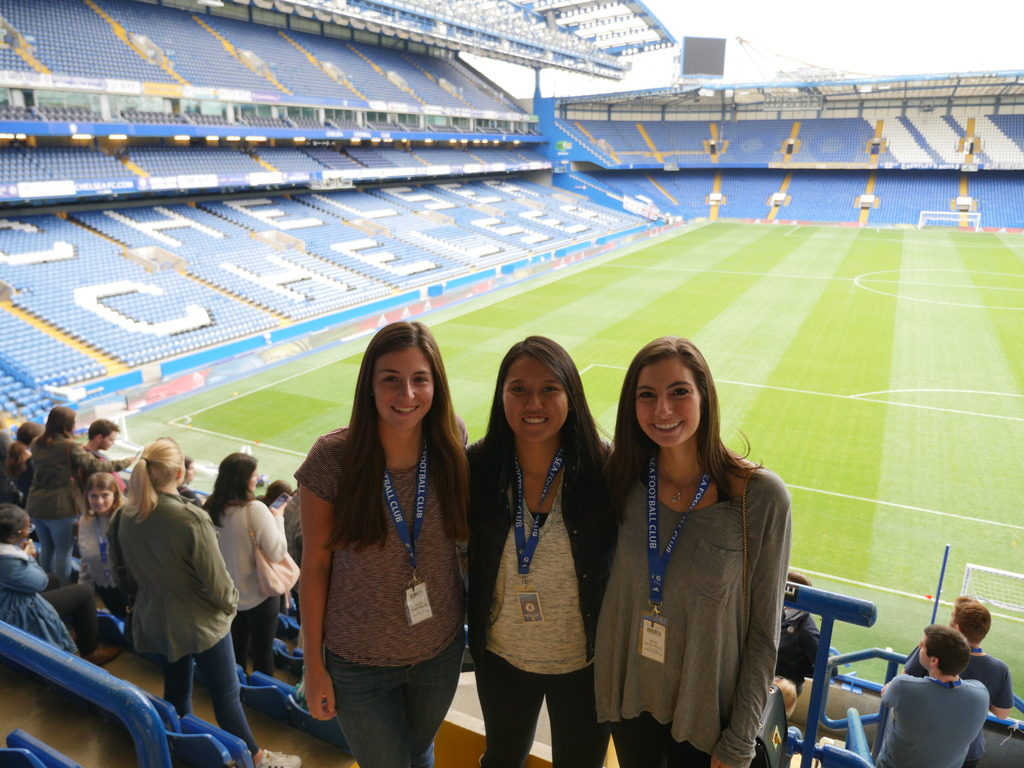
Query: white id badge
[417,603]
[653,637]
[529,606]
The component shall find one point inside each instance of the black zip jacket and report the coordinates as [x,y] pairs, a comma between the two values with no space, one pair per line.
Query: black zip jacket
[586,509]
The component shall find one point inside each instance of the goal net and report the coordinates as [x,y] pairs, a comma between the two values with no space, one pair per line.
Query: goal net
[956,219]
[994,586]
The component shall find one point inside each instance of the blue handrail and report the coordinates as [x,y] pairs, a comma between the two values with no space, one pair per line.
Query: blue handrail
[856,739]
[831,607]
[122,699]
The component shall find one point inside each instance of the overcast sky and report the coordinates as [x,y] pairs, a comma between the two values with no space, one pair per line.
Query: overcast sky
[895,37]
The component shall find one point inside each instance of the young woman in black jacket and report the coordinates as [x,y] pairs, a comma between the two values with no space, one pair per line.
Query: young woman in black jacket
[541,542]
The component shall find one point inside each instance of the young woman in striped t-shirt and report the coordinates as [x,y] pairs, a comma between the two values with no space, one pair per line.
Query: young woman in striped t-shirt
[383,511]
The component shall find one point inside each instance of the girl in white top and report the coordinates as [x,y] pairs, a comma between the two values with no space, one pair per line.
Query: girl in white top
[102,501]
[236,512]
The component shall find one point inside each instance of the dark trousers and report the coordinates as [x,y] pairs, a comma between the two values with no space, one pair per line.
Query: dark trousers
[643,742]
[77,606]
[511,699]
[217,665]
[114,599]
[252,633]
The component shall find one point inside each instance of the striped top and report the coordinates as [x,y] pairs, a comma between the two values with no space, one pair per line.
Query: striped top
[364,621]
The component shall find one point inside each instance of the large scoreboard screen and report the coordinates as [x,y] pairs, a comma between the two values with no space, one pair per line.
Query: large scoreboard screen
[703,57]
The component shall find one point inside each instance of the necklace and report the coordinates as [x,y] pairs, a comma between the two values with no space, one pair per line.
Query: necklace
[679,494]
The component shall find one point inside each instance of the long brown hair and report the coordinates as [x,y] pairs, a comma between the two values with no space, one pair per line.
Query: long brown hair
[60,423]
[633,448]
[360,519]
[231,486]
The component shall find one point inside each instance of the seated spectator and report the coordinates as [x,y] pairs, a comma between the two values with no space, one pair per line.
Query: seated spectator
[934,718]
[973,621]
[18,465]
[275,491]
[185,599]
[184,490]
[798,647]
[246,523]
[55,499]
[29,601]
[102,500]
[5,439]
[293,527]
[102,435]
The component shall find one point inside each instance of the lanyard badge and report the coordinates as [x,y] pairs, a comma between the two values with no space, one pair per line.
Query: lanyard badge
[654,626]
[417,602]
[526,548]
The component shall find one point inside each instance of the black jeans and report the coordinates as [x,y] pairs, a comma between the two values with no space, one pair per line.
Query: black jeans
[252,633]
[510,700]
[76,605]
[114,599]
[643,742]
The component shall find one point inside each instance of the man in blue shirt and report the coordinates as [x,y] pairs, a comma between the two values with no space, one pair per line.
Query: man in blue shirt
[934,718]
[973,620]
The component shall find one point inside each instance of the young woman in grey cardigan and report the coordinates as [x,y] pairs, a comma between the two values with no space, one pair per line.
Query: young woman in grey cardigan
[687,636]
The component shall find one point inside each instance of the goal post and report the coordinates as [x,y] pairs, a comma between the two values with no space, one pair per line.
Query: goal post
[994,586]
[958,219]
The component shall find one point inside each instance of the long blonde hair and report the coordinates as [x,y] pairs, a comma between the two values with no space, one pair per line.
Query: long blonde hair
[157,467]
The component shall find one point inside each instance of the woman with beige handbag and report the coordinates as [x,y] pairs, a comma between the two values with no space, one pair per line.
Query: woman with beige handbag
[252,540]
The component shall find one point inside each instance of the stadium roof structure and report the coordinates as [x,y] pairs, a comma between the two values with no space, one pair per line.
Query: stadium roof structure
[620,27]
[933,90]
[497,29]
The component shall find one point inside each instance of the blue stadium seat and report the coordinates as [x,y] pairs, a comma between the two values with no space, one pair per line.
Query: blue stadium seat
[43,752]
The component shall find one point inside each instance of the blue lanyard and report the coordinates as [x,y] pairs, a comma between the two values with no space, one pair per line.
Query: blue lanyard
[396,509]
[101,539]
[950,684]
[526,549]
[657,563]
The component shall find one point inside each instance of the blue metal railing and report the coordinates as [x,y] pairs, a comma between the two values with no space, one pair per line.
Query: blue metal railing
[831,607]
[87,681]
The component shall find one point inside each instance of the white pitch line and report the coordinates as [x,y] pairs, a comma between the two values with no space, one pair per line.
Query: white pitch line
[890,590]
[274,383]
[864,584]
[268,446]
[860,397]
[909,507]
[848,496]
[936,389]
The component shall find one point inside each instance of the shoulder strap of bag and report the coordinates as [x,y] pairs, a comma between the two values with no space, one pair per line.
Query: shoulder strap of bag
[252,533]
[746,541]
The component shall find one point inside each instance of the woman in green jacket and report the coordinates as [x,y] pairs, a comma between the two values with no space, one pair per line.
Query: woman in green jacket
[55,499]
[184,597]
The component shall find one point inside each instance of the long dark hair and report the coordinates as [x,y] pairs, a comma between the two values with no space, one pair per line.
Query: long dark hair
[359,516]
[632,448]
[231,486]
[581,442]
[60,423]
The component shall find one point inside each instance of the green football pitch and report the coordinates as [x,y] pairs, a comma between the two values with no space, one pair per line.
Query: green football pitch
[879,372]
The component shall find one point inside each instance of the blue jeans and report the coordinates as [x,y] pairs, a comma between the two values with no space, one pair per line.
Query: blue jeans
[390,715]
[56,538]
[217,665]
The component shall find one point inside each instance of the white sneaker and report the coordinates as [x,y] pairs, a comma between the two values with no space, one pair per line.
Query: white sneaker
[279,760]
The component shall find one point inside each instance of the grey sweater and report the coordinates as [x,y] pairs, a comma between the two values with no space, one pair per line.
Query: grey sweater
[720,656]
